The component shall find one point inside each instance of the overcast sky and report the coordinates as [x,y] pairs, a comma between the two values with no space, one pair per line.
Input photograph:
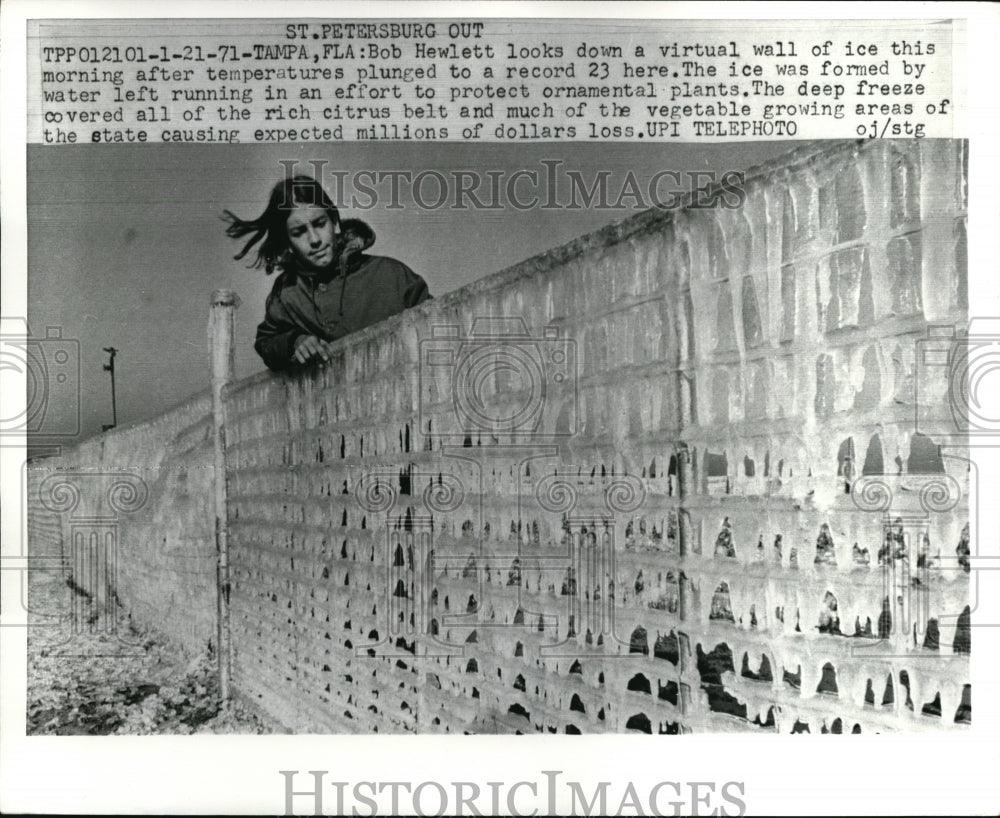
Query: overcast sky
[126,243]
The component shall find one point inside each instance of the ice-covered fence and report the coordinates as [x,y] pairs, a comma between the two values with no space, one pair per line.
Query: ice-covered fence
[669,477]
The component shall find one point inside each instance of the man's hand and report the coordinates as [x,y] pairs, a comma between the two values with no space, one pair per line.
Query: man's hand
[310,348]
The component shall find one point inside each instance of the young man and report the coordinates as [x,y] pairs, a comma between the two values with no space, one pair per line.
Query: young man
[328,286]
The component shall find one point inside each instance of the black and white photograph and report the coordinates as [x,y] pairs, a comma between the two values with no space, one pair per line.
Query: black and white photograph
[385,387]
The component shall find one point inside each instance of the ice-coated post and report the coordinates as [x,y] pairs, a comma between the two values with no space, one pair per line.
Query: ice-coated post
[221,324]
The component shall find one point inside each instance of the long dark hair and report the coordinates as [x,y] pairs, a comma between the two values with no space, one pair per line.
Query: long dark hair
[269,228]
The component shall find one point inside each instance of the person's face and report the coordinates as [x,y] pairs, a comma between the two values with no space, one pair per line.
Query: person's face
[312,235]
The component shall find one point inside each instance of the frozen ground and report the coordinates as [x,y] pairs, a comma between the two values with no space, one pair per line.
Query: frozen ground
[86,679]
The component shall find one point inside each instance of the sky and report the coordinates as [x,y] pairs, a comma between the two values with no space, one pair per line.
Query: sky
[126,243]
